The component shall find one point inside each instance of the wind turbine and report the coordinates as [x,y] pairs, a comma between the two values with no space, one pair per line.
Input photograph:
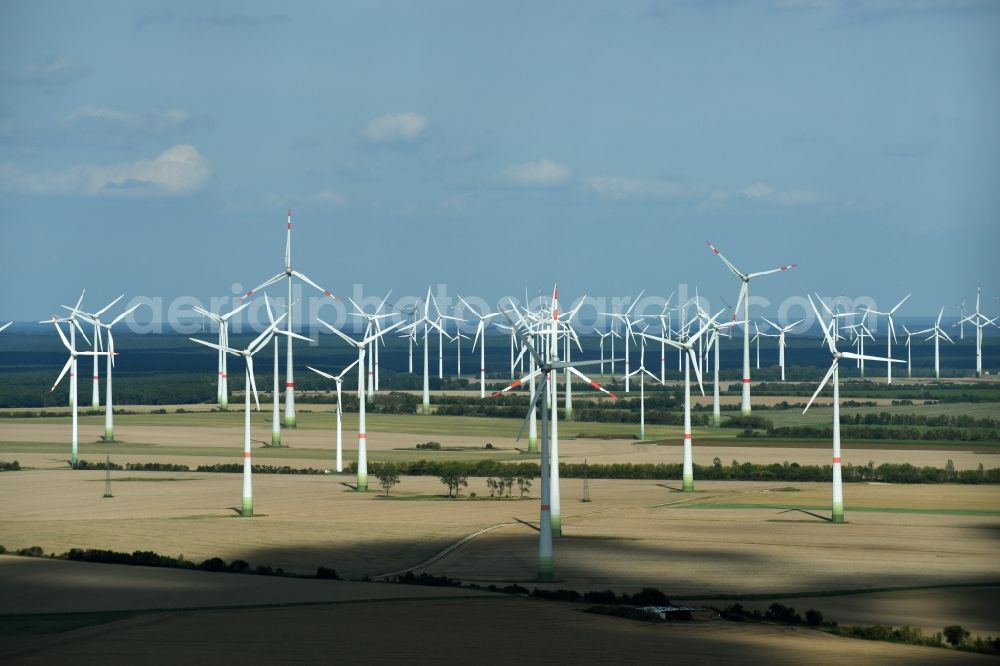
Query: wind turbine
[427,322]
[339,379]
[222,395]
[688,346]
[626,319]
[480,339]
[756,338]
[782,330]
[74,325]
[937,333]
[550,523]
[980,321]
[745,299]
[250,385]
[275,393]
[94,318]
[71,368]
[603,336]
[642,372]
[288,274]
[891,337]
[109,412]
[361,346]
[372,322]
[664,318]
[714,341]
[838,489]
[860,333]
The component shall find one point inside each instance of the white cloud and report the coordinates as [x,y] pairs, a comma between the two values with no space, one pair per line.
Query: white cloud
[53,71]
[149,121]
[326,199]
[395,128]
[622,188]
[543,173]
[763,193]
[176,171]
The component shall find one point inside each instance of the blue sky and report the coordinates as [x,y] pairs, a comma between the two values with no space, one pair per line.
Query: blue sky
[153,148]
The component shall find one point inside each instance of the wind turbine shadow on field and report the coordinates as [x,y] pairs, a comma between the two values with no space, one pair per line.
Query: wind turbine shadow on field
[526,523]
[808,513]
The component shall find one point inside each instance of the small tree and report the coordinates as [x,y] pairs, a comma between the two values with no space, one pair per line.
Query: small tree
[453,477]
[956,634]
[814,618]
[494,486]
[523,484]
[506,481]
[388,476]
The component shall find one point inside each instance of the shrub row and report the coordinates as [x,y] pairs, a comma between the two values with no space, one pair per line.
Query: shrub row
[148,558]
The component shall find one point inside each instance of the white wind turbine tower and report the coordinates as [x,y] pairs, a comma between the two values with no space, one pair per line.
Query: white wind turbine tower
[688,346]
[833,372]
[980,321]
[642,372]
[549,385]
[891,337]
[222,394]
[480,339]
[94,318]
[287,275]
[459,336]
[339,379]
[937,333]
[361,346]
[71,367]
[109,412]
[909,370]
[962,314]
[250,385]
[745,299]
[782,330]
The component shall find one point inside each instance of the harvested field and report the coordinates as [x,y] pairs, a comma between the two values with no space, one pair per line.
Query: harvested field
[440,629]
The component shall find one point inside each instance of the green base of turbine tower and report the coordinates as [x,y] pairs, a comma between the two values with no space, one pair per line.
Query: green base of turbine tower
[533,445]
[289,422]
[556,526]
[838,514]
[717,420]
[427,409]
[688,485]
[247,510]
[362,485]
[276,439]
[546,569]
